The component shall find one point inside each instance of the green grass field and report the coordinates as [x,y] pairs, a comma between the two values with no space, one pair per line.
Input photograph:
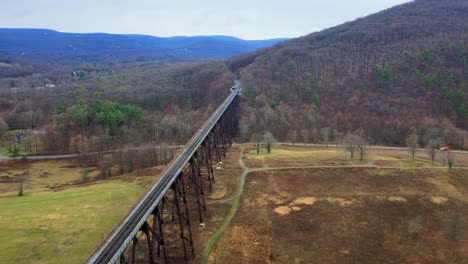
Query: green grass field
[64,226]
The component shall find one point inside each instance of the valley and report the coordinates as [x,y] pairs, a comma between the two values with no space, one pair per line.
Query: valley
[345,144]
[302,203]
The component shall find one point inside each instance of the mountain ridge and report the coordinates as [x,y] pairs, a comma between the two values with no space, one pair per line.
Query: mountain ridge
[389,74]
[51,45]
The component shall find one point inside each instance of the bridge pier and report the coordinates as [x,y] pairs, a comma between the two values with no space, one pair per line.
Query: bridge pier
[198,184]
[166,234]
[187,241]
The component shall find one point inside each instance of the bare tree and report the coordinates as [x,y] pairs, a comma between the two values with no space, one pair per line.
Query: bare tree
[28,143]
[165,153]
[450,160]
[315,135]
[305,136]
[23,178]
[20,180]
[292,136]
[325,132]
[126,160]
[257,140]
[338,137]
[269,140]
[412,144]
[432,146]
[349,144]
[84,152]
[3,128]
[362,146]
[243,132]
[84,174]
[105,165]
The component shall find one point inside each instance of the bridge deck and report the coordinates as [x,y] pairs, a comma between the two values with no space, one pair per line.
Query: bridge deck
[110,250]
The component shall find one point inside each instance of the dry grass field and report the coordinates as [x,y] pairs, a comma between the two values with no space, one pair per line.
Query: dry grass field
[385,209]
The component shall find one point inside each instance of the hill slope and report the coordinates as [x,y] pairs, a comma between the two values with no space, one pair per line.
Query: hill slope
[403,69]
[49,45]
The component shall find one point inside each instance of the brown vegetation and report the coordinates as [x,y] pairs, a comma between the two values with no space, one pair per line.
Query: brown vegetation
[389,74]
[348,215]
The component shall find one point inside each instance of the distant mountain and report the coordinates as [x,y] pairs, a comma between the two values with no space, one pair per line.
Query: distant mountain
[401,70]
[54,46]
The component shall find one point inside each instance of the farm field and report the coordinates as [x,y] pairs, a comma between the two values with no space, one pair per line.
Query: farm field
[294,205]
[63,226]
[385,209]
[60,218]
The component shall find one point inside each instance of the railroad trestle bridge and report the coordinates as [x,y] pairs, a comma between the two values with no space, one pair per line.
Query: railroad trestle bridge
[158,229]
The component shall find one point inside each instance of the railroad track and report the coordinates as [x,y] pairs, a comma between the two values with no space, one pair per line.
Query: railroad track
[114,245]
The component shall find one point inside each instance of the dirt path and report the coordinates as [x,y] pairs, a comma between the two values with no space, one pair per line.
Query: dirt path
[349,166]
[67,156]
[232,212]
[246,170]
[298,144]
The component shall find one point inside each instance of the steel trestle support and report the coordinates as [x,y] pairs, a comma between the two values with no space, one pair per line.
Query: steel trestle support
[166,235]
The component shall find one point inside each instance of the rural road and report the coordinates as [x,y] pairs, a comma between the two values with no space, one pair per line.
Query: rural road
[298,144]
[66,156]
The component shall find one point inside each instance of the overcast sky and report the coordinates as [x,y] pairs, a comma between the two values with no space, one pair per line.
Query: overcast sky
[248,19]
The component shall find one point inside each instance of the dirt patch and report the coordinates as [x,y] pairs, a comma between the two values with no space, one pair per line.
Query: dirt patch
[438,199]
[275,199]
[313,200]
[305,200]
[344,251]
[340,201]
[397,199]
[283,210]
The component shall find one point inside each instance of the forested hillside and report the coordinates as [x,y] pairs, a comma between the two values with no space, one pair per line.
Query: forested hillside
[112,104]
[395,73]
[399,71]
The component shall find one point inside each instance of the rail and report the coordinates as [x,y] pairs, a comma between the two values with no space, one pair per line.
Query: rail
[114,245]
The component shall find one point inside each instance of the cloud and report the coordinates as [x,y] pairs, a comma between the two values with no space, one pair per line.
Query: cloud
[247,19]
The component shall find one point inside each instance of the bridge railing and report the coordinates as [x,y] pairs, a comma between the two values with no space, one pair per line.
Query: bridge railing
[167,201]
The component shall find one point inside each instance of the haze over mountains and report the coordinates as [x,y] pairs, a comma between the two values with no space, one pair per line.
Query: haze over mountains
[50,45]
[400,71]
